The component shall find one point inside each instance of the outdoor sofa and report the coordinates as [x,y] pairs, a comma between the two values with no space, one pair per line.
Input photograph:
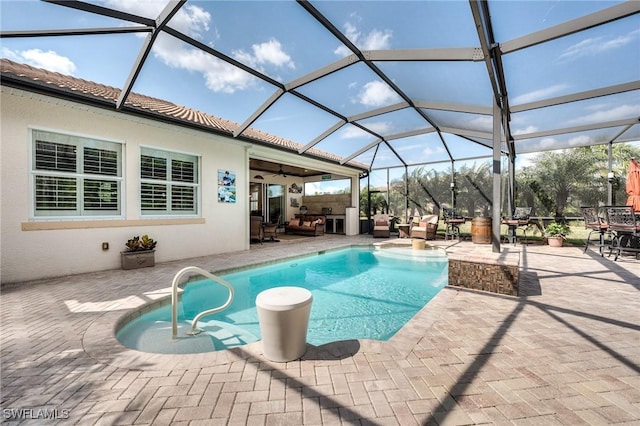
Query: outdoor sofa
[306,225]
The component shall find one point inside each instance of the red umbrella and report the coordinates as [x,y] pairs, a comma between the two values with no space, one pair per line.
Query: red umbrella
[633,185]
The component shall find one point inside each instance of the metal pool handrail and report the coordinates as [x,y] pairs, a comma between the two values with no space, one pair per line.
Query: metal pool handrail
[174,299]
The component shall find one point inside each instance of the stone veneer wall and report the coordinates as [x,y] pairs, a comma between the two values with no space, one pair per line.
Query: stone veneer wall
[485,273]
[336,202]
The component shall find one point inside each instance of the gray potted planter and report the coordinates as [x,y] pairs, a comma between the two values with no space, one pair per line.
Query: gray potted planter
[140,253]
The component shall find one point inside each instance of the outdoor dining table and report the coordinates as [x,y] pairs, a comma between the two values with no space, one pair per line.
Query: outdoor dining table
[513,225]
[624,222]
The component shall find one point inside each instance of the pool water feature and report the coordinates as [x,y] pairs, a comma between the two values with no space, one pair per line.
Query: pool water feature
[358,293]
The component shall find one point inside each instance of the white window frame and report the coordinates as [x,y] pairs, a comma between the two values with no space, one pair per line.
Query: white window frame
[170,182]
[79,175]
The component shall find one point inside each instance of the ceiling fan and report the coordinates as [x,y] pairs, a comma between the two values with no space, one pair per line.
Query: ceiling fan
[280,172]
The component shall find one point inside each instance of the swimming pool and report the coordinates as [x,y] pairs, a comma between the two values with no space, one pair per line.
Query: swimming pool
[358,293]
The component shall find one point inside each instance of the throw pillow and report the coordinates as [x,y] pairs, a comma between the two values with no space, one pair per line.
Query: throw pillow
[306,224]
[294,222]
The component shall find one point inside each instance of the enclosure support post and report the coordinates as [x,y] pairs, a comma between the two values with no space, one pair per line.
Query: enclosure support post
[406,194]
[497,115]
[610,170]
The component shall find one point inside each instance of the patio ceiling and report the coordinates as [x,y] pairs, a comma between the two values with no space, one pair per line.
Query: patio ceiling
[385,84]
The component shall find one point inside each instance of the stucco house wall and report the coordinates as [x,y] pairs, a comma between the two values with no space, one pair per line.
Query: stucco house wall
[32,249]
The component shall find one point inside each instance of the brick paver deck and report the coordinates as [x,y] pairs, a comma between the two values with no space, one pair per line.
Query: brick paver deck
[568,352]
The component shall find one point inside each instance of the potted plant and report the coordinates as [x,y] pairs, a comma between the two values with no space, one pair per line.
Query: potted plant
[139,252]
[556,232]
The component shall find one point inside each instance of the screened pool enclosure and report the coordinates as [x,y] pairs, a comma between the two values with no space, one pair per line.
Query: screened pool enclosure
[439,103]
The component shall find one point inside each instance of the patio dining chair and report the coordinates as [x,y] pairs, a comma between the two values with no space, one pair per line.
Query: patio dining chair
[623,222]
[452,220]
[519,220]
[596,224]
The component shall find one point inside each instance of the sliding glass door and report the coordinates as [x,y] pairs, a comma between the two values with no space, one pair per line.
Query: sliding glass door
[276,197]
[268,201]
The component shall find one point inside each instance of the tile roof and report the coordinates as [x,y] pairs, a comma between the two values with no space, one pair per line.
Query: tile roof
[88,90]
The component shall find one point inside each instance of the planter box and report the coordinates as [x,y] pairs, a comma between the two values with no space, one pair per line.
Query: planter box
[137,259]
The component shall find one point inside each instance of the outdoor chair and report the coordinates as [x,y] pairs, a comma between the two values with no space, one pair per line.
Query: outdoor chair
[270,230]
[626,226]
[519,220]
[256,230]
[595,224]
[381,226]
[452,220]
[425,227]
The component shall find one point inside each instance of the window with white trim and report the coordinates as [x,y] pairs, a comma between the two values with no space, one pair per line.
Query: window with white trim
[168,183]
[74,176]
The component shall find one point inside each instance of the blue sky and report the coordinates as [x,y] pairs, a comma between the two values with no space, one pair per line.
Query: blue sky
[284,42]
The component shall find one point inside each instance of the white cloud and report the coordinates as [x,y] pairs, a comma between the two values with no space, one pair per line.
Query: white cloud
[196,22]
[597,45]
[544,93]
[353,132]
[609,114]
[430,151]
[483,123]
[191,20]
[219,76]
[380,127]
[374,40]
[581,140]
[525,130]
[146,8]
[48,60]
[547,143]
[377,93]
[525,160]
[269,52]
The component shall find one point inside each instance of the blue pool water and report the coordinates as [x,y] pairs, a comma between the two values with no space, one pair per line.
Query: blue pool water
[358,293]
